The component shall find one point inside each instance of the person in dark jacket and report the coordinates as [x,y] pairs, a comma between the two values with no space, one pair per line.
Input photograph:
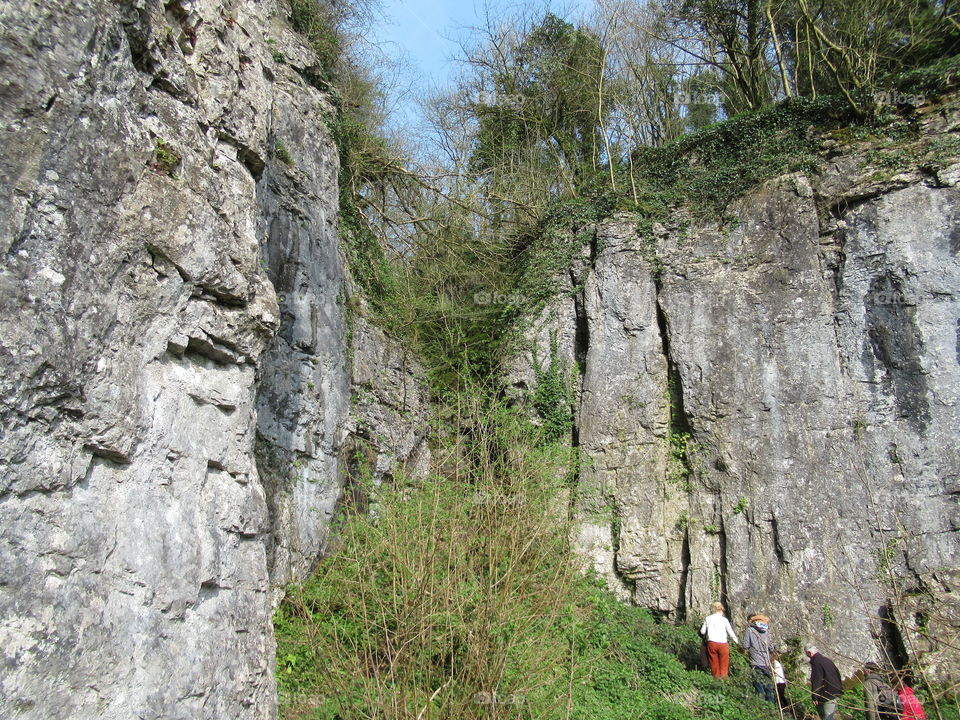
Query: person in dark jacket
[824,682]
[759,645]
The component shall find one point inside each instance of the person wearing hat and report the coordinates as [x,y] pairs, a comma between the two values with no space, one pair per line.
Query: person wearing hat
[824,682]
[759,645]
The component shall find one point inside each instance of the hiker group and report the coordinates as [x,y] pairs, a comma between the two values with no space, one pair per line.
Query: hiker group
[881,701]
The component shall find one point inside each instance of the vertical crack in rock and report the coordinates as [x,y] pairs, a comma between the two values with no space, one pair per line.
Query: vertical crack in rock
[777,545]
[678,432]
[684,576]
[581,350]
[958,343]
[891,638]
[679,422]
[898,346]
[581,335]
[834,258]
[724,570]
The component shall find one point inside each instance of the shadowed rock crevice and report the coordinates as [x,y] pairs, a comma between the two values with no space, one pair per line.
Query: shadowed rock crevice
[723,569]
[679,424]
[898,347]
[581,352]
[681,613]
[958,343]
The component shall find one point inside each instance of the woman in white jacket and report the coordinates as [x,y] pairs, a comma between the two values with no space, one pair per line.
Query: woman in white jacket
[716,629]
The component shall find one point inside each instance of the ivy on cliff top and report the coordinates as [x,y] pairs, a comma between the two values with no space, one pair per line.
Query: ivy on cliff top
[705,171]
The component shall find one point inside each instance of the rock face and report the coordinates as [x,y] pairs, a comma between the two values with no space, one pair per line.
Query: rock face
[768,407]
[167,179]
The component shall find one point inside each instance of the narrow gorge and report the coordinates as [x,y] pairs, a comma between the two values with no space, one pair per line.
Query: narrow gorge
[766,406]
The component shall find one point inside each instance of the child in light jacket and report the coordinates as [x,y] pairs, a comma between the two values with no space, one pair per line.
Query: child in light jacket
[780,678]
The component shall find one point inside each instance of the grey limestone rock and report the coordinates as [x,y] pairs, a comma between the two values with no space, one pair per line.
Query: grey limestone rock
[135,312]
[173,297]
[809,350]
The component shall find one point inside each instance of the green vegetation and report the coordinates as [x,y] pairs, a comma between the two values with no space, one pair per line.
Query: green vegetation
[551,246]
[705,171]
[934,79]
[166,160]
[318,27]
[627,665]
[678,466]
[541,112]
[553,397]
[452,587]
[826,615]
[635,666]
[278,56]
[678,445]
[884,557]
[456,595]
[859,427]
[280,150]
[365,255]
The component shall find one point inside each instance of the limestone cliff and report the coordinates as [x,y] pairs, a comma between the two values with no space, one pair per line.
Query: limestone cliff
[189,380]
[768,406]
[174,298]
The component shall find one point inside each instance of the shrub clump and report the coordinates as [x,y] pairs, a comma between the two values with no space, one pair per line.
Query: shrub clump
[459,597]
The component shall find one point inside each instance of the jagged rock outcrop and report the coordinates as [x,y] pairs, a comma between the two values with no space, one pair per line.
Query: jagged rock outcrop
[329,412]
[165,168]
[390,416]
[768,406]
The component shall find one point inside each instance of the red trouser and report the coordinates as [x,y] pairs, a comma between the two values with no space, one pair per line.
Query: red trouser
[719,656]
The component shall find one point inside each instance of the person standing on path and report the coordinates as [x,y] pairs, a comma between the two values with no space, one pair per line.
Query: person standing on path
[759,646]
[716,628]
[824,682]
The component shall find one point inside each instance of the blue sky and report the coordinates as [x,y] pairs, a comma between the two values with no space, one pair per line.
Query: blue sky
[426,34]
[426,31]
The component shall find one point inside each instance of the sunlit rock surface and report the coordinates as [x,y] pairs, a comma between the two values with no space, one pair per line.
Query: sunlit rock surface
[809,346]
[173,316]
